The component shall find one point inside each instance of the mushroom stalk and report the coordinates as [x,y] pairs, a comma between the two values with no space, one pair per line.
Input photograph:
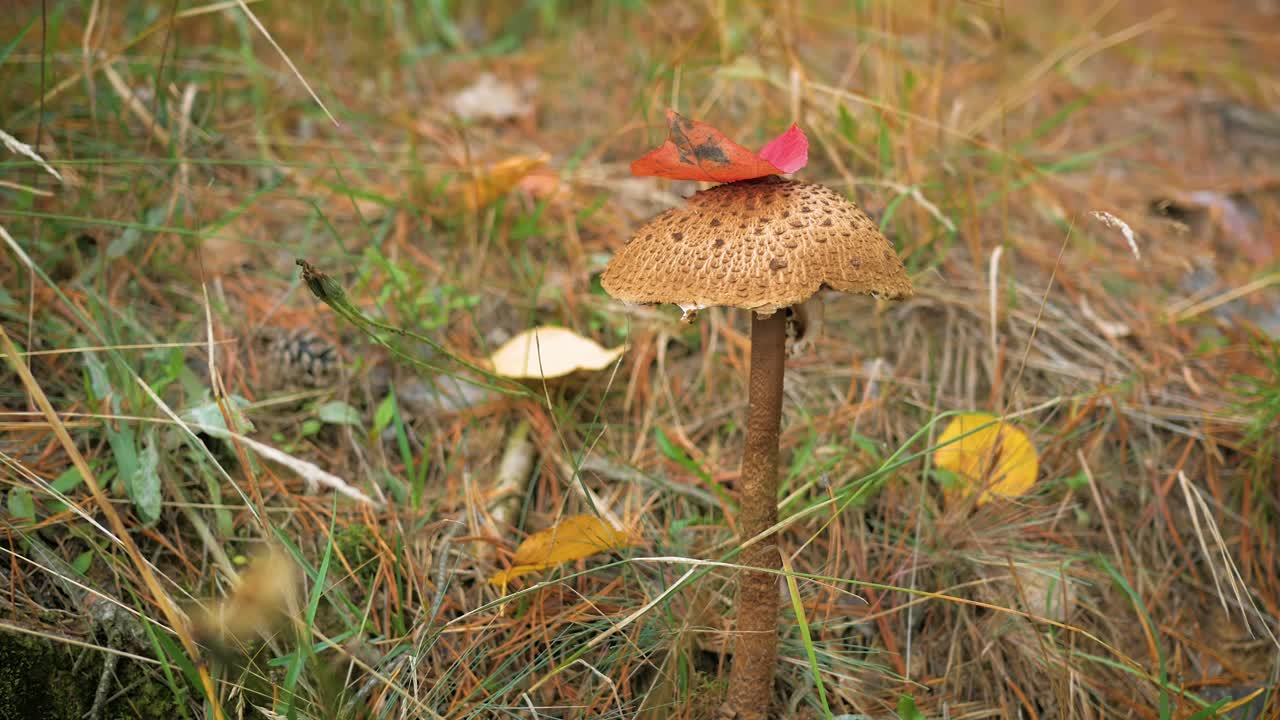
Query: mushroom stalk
[756,652]
[758,244]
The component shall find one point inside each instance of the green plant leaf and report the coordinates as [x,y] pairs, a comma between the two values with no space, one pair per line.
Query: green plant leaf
[125,242]
[797,606]
[99,383]
[339,413]
[8,48]
[209,416]
[1165,706]
[313,604]
[143,485]
[1209,712]
[678,455]
[67,481]
[171,654]
[907,709]
[20,504]
[884,141]
[845,124]
[82,562]
[1077,481]
[385,413]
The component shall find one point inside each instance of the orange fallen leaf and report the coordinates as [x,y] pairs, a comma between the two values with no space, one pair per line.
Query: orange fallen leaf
[491,183]
[573,538]
[995,459]
[697,151]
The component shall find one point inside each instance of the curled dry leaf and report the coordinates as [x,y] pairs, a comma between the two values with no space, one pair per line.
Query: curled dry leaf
[697,151]
[992,459]
[573,538]
[491,183]
[550,352]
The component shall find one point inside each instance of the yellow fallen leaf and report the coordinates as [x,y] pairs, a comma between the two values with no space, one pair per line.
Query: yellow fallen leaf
[573,538]
[491,183]
[550,352]
[996,460]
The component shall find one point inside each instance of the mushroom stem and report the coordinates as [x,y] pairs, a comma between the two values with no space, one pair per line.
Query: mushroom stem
[756,653]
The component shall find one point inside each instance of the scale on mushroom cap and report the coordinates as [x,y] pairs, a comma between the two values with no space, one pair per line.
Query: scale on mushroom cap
[764,244]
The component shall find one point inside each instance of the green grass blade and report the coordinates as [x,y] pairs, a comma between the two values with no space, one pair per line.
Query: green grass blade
[1166,709]
[797,605]
[303,655]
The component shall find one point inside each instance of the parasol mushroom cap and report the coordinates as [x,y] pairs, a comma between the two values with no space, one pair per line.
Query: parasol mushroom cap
[760,245]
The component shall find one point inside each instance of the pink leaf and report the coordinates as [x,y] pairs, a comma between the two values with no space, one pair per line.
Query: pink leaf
[789,151]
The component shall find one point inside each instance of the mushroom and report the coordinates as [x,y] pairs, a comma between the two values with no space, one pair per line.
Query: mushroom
[763,245]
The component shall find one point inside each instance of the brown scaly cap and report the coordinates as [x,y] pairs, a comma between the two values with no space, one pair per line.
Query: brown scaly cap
[759,245]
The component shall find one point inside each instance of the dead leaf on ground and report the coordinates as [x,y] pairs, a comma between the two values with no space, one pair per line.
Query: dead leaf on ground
[995,459]
[228,249]
[491,183]
[551,352]
[543,184]
[427,397]
[489,98]
[1044,588]
[573,538]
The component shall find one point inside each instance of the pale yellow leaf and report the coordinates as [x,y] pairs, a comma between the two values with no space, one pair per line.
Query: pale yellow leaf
[573,538]
[997,460]
[550,352]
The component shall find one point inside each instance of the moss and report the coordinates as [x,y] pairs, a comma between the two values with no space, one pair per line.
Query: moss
[356,544]
[39,680]
[36,680]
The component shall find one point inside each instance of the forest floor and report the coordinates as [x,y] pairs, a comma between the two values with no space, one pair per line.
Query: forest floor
[1086,195]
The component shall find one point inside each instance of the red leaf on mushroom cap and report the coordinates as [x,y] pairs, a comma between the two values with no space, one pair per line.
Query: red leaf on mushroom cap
[789,151]
[697,151]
